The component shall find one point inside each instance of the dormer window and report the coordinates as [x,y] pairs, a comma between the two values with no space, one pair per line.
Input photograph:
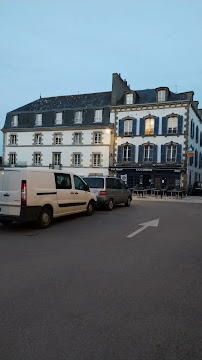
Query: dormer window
[78,117]
[161,95]
[38,121]
[129,99]
[58,118]
[14,120]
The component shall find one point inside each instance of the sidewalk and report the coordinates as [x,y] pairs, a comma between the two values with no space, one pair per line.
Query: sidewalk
[187,199]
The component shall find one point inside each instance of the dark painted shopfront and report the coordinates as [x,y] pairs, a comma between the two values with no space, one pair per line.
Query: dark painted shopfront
[149,178]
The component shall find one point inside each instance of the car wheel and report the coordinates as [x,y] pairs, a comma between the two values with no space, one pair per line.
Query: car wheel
[6,222]
[110,205]
[45,218]
[90,208]
[128,202]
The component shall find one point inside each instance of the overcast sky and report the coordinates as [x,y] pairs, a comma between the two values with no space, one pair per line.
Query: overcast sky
[61,47]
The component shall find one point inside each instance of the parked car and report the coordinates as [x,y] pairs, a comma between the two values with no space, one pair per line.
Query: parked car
[197,188]
[109,191]
[34,194]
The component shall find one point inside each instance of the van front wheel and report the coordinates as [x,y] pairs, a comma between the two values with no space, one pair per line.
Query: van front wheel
[90,208]
[45,218]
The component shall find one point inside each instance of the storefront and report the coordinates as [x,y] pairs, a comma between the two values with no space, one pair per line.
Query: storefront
[150,177]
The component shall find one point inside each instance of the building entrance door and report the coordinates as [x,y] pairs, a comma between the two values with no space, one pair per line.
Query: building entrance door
[146,181]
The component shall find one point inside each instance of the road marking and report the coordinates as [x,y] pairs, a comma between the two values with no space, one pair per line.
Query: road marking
[144,226]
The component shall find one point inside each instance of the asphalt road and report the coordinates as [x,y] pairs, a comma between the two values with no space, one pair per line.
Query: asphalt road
[82,290]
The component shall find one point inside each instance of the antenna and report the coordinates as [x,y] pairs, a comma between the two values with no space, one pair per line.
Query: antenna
[176,89]
[40,96]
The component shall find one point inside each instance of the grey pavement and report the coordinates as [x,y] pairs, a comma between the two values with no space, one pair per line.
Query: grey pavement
[82,290]
[186,199]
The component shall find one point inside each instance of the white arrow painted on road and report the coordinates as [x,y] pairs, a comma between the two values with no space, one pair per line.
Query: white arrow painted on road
[144,226]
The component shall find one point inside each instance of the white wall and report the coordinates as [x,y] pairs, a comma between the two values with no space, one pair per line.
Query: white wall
[196,146]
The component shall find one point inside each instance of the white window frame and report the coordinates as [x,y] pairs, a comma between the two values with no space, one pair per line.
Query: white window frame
[37,159]
[13,136]
[38,139]
[161,95]
[77,138]
[14,120]
[57,139]
[172,125]
[58,118]
[98,115]
[148,153]
[56,159]
[38,120]
[126,153]
[97,138]
[77,159]
[129,99]
[151,122]
[173,150]
[12,158]
[96,160]
[78,117]
[128,127]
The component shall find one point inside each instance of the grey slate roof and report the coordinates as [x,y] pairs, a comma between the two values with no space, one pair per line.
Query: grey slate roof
[148,96]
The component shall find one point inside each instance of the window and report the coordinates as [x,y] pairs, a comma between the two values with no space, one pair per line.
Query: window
[56,159]
[38,120]
[13,139]
[78,117]
[197,133]
[57,139]
[96,160]
[63,181]
[78,183]
[172,125]
[97,138]
[126,153]
[129,99]
[37,159]
[148,153]
[14,120]
[12,159]
[94,182]
[38,139]
[98,116]
[149,126]
[58,118]
[128,125]
[77,138]
[171,152]
[77,159]
[161,95]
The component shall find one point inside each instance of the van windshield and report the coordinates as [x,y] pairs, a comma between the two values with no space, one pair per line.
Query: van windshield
[95,183]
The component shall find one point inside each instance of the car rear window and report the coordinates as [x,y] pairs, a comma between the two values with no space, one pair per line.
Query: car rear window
[95,183]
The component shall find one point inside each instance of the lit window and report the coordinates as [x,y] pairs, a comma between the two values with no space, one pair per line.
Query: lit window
[149,126]
[77,138]
[126,153]
[14,120]
[56,159]
[37,159]
[13,139]
[38,120]
[96,160]
[172,125]
[129,99]
[77,159]
[148,153]
[161,95]
[12,159]
[171,152]
[128,124]
[97,138]
[98,116]
[78,117]
[57,139]
[38,139]
[58,118]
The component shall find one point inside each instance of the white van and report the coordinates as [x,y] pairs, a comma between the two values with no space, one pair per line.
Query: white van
[33,194]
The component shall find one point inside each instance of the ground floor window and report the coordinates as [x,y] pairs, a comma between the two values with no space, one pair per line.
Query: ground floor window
[96,160]
[12,158]
[37,159]
[56,159]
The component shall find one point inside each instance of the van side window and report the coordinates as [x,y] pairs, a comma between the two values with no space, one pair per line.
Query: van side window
[63,181]
[78,183]
[123,185]
[118,184]
[109,183]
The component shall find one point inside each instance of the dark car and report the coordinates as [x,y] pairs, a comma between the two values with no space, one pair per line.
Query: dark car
[197,188]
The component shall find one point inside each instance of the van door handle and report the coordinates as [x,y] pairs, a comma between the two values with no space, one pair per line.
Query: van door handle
[72,193]
[76,193]
[6,195]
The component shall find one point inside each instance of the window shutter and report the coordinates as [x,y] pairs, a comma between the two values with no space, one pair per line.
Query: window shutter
[196,158]
[140,155]
[197,134]
[155,148]
[164,125]
[142,126]
[156,126]
[163,153]
[121,127]
[133,153]
[119,154]
[134,127]
[179,153]
[180,123]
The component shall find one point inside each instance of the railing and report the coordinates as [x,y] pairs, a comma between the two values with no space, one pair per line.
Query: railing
[159,192]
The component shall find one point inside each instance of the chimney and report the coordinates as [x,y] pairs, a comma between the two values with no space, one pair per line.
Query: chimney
[190,95]
[195,103]
[119,86]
